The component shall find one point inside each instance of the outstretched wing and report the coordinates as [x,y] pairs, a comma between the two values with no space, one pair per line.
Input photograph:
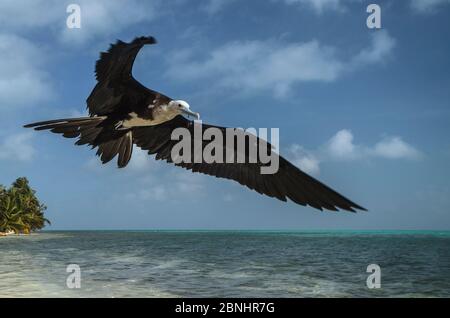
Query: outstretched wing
[289,182]
[116,64]
[116,86]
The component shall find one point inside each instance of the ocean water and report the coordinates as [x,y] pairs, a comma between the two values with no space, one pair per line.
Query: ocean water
[225,264]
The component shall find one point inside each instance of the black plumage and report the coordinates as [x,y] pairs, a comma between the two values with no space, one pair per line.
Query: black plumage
[117,94]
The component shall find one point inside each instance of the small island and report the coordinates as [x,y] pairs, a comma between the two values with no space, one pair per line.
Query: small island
[20,210]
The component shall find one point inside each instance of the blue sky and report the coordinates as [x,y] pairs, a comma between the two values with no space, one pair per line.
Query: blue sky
[365,111]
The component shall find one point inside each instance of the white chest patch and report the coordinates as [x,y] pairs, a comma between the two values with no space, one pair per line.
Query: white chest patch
[160,115]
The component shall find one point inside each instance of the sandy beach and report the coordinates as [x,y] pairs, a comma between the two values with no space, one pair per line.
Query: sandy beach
[7,233]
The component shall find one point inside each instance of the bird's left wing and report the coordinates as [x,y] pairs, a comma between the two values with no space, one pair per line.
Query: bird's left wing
[117,63]
[116,85]
[288,182]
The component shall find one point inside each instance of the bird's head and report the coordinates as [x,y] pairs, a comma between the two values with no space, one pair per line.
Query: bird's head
[182,107]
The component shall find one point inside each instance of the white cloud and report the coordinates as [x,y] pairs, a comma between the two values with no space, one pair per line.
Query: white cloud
[17,147]
[395,148]
[272,65]
[214,6]
[98,18]
[304,159]
[424,6]
[341,147]
[318,5]
[381,46]
[22,80]
[321,6]
[256,65]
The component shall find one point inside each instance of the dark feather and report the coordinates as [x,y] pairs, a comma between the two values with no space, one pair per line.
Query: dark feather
[117,91]
[289,182]
[126,149]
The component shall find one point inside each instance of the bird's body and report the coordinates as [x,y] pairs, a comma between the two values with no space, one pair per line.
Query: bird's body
[155,114]
[123,112]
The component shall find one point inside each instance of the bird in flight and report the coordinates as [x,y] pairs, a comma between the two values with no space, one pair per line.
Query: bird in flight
[123,112]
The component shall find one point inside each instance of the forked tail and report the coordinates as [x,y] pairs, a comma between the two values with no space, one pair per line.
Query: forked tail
[93,131]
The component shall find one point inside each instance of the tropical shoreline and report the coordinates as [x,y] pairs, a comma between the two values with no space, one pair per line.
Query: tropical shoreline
[7,233]
[21,212]
[12,233]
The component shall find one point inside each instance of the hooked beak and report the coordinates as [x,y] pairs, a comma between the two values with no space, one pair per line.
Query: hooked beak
[190,113]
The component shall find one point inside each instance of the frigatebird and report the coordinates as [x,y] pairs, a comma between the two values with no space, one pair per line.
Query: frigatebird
[123,112]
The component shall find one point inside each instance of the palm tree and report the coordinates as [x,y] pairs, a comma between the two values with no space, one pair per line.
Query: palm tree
[20,210]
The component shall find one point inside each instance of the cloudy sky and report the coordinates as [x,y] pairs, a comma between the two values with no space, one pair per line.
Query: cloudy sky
[366,111]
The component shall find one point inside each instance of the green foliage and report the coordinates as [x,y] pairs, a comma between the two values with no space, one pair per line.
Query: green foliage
[20,209]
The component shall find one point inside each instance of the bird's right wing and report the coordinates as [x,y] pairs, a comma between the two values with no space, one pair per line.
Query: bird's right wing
[288,182]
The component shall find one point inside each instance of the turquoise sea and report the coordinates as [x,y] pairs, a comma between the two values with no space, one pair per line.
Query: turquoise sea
[225,264]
